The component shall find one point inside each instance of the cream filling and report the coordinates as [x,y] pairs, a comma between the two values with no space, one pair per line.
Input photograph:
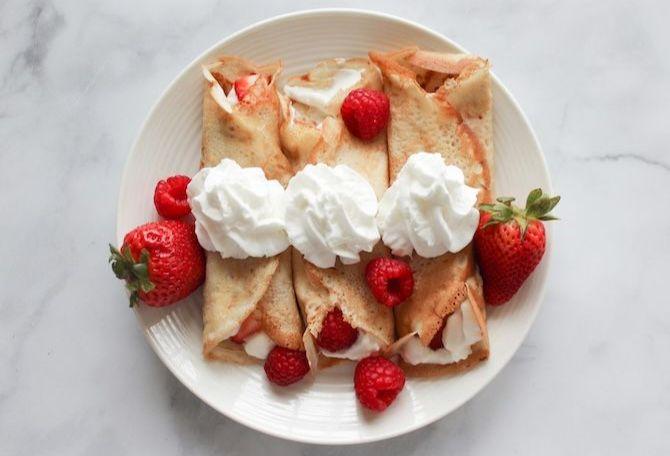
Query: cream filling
[259,345]
[459,335]
[365,345]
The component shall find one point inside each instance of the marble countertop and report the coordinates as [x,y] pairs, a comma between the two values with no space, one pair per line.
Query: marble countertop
[76,376]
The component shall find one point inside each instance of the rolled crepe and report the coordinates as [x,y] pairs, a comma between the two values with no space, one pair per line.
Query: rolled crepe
[247,132]
[312,135]
[440,103]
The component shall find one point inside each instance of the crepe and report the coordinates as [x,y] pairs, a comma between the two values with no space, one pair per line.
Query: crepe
[247,132]
[310,135]
[440,103]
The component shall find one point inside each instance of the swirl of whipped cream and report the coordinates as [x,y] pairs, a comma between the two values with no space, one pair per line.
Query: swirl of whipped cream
[428,208]
[238,211]
[330,213]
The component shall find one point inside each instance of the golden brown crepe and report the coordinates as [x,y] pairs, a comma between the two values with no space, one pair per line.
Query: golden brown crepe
[313,136]
[247,132]
[440,103]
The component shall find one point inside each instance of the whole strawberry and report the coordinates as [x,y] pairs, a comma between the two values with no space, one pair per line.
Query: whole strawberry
[509,243]
[365,112]
[161,262]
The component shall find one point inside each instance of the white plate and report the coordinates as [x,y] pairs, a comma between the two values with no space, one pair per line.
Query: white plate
[325,411]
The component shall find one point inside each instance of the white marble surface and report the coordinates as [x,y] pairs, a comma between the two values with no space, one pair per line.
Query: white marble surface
[76,377]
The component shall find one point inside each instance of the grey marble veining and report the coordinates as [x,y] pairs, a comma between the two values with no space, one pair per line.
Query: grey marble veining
[77,79]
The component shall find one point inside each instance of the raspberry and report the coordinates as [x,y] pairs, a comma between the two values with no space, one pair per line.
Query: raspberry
[284,366]
[390,280]
[170,197]
[365,112]
[377,382]
[336,333]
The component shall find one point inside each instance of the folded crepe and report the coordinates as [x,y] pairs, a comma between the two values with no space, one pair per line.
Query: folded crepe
[441,103]
[312,131]
[259,289]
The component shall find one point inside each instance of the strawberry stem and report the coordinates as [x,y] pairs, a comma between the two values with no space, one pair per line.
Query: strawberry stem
[538,206]
[135,273]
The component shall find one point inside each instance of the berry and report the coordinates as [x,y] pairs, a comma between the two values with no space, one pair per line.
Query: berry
[243,84]
[377,382]
[365,112]
[510,242]
[390,280]
[284,366]
[161,262]
[170,197]
[336,333]
[249,327]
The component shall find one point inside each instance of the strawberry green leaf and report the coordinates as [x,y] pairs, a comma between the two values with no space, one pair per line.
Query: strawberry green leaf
[505,199]
[533,196]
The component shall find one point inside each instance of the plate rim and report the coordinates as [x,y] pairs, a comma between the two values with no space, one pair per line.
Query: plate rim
[134,150]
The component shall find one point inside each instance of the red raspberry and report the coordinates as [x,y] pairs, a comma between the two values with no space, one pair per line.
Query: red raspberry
[377,382]
[284,366]
[365,112]
[170,197]
[336,333]
[390,280]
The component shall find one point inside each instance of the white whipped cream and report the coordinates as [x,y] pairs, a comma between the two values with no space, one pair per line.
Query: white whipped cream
[459,335]
[323,98]
[365,345]
[331,212]
[259,345]
[429,208]
[238,211]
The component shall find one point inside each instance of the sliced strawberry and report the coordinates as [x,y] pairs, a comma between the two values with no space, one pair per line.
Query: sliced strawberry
[249,327]
[243,84]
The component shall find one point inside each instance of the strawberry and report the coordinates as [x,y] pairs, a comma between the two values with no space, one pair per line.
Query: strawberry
[161,262]
[436,342]
[390,280]
[377,382]
[249,327]
[243,84]
[365,112]
[284,366]
[170,197]
[336,333]
[509,243]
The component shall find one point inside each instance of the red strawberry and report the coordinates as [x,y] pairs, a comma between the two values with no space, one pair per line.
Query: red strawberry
[248,327]
[336,333]
[242,85]
[365,112]
[284,366]
[436,342]
[509,243]
[170,197]
[390,280]
[377,382]
[161,262]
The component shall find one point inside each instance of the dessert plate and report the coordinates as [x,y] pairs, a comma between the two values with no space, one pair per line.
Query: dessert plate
[326,410]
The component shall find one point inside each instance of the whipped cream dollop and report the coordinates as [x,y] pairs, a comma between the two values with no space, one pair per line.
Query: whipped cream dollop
[331,212]
[458,336]
[429,208]
[259,345]
[365,345]
[323,98]
[238,211]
